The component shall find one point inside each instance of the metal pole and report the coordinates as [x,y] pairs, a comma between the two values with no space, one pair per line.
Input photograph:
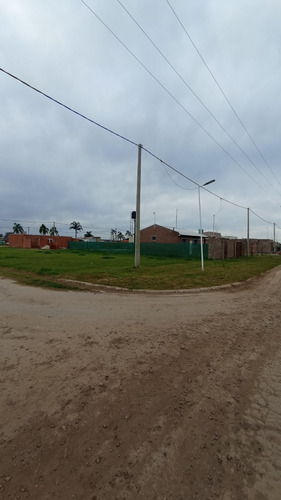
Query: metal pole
[201,237]
[274,242]
[248,232]
[137,232]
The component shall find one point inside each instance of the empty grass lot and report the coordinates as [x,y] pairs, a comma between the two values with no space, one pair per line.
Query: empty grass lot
[51,268]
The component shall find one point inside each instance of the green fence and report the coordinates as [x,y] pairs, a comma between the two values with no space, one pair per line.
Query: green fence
[184,250]
[187,250]
[102,246]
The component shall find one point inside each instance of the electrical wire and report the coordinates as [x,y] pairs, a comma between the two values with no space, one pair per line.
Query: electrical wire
[67,107]
[222,91]
[125,139]
[194,182]
[173,180]
[261,218]
[197,97]
[219,208]
[174,98]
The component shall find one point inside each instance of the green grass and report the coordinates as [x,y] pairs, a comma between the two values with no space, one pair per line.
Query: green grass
[51,268]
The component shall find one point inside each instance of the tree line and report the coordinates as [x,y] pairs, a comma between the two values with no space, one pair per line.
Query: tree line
[44,230]
[76,226]
[118,236]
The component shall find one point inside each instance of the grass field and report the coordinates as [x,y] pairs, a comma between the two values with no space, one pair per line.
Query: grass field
[50,268]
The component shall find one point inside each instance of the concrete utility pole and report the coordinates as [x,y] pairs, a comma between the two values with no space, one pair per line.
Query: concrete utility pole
[137,233]
[274,242]
[248,232]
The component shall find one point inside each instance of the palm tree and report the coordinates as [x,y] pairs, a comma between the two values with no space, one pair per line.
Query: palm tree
[17,228]
[120,236]
[54,231]
[88,234]
[113,233]
[76,226]
[43,229]
[128,234]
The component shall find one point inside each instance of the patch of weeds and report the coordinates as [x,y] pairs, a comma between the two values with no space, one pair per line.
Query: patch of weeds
[48,284]
[47,271]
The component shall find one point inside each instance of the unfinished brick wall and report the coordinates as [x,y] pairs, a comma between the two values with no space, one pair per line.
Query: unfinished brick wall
[38,241]
[225,248]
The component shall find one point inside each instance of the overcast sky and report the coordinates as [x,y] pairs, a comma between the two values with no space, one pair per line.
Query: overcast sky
[169,82]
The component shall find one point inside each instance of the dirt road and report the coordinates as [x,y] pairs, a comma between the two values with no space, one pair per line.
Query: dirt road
[141,395]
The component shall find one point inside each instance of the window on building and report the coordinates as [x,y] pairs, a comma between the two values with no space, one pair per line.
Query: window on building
[153,238]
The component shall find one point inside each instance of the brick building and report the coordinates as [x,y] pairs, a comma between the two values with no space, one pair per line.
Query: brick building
[39,241]
[161,234]
[229,248]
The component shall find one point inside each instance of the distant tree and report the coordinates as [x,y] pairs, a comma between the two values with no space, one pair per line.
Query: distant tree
[76,226]
[113,233]
[120,236]
[6,237]
[53,231]
[88,234]
[128,234]
[17,228]
[43,229]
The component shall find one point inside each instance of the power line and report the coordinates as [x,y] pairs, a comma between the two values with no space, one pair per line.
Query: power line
[261,218]
[221,90]
[67,107]
[188,178]
[196,95]
[170,177]
[174,98]
[107,227]
[121,137]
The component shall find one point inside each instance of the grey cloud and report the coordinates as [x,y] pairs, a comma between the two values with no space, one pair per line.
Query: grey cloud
[55,165]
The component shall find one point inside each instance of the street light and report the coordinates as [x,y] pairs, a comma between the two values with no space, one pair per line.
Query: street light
[201,236]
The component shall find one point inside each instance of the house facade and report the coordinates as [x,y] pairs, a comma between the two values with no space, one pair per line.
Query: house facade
[161,234]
